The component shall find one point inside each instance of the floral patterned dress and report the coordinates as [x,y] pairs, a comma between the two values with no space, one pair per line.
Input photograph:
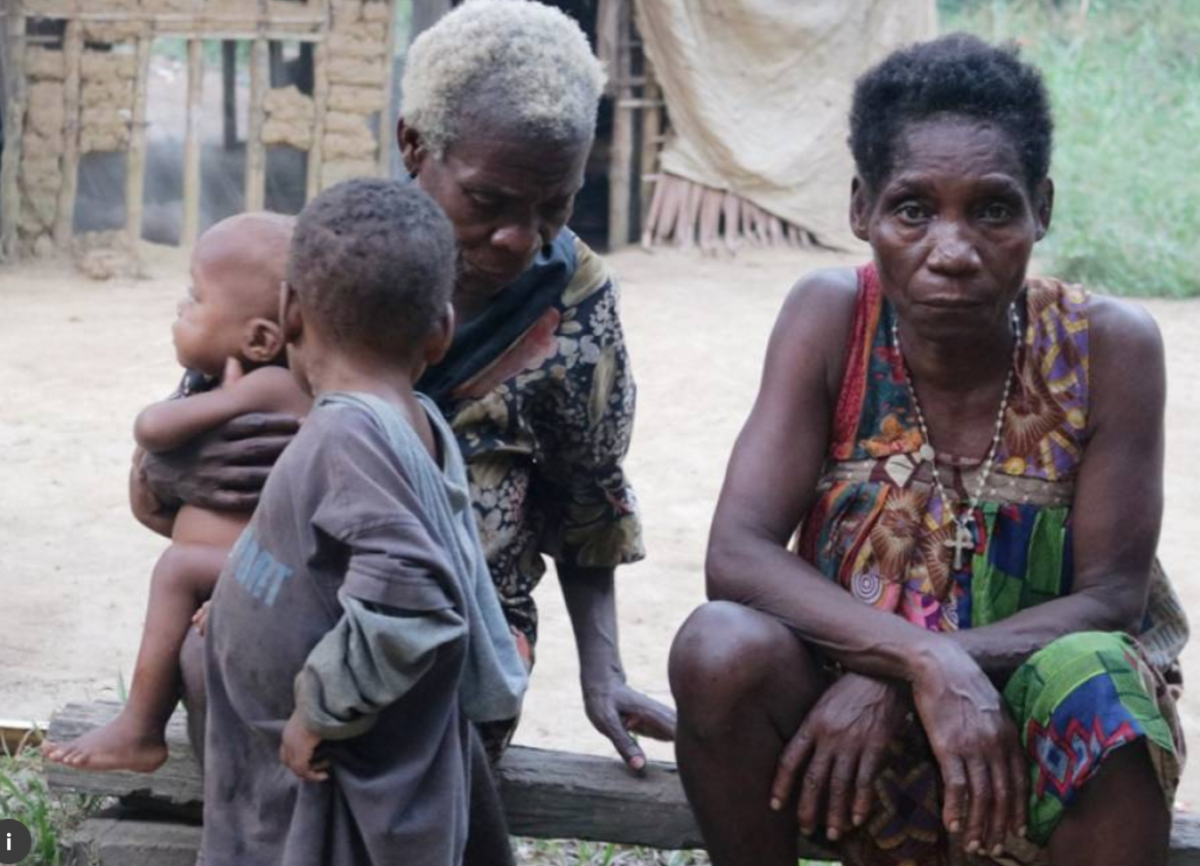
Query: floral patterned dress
[541,399]
[881,531]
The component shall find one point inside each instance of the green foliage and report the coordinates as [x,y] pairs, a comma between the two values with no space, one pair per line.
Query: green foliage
[24,796]
[1125,84]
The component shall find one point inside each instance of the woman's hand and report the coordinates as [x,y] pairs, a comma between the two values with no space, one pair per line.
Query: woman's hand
[225,469]
[620,713]
[978,752]
[838,751]
[298,751]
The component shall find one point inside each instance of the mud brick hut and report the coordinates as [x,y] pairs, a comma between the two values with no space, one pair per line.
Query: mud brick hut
[76,75]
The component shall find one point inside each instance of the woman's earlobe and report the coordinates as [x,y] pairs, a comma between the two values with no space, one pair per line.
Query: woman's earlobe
[859,209]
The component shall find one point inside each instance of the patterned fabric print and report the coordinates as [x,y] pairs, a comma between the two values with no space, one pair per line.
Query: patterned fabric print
[544,430]
[879,529]
[1083,697]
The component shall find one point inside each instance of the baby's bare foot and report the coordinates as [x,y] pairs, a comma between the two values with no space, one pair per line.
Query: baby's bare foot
[119,745]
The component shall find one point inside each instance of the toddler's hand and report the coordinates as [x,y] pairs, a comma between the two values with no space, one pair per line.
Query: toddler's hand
[200,618]
[298,749]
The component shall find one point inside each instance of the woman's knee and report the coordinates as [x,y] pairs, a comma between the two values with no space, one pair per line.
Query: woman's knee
[726,656]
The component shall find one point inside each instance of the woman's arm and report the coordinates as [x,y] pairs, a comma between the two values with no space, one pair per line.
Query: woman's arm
[1118,497]
[614,709]
[772,482]
[769,487]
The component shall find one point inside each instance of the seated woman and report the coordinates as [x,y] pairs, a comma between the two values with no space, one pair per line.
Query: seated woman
[968,654]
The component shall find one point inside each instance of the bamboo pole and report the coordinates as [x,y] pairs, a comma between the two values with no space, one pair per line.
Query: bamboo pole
[387,120]
[651,135]
[320,107]
[191,144]
[256,151]
[64,220]
[620,184]
[229,92]
[135,172]
[10,191]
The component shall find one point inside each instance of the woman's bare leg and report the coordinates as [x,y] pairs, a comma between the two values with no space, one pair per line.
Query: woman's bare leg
[742,684]
[183,579]
[1120,817]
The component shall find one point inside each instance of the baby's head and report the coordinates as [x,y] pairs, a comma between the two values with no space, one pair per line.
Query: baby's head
[232,307]
[372,268]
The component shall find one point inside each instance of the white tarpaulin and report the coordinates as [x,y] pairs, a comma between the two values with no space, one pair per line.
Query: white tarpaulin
[758,93]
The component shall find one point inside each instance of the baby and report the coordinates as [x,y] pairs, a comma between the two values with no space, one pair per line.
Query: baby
[229,336]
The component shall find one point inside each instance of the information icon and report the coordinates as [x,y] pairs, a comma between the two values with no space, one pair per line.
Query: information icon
[15,841]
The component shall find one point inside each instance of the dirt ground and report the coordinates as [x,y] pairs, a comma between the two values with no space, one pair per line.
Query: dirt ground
[79,358]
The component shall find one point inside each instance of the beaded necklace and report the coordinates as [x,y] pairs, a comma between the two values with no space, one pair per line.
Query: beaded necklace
[963,540]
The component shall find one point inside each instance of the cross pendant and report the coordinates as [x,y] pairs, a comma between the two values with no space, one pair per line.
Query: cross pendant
[963,540]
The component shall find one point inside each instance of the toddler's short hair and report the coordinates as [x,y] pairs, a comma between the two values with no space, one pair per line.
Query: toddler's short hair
[373,263]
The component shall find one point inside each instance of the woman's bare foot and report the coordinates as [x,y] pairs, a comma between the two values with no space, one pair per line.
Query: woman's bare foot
[120,745]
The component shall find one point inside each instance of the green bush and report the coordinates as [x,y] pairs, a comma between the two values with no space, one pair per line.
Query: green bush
[1125,84]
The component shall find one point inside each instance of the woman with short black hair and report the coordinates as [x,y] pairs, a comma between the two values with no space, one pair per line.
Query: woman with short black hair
[962,656]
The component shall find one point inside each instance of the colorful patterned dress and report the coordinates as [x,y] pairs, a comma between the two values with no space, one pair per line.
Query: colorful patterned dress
[880,530]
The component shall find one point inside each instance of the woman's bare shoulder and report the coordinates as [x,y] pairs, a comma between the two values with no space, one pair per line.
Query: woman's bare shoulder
[815,323]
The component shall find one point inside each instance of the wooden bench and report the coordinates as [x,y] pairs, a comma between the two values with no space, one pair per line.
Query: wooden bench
[547,795]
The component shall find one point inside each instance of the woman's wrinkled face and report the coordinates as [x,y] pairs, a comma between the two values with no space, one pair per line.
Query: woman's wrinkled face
[506,197]
[953,225]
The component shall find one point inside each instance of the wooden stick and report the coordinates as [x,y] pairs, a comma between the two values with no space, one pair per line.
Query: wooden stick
[651,134]
[73,57]
[135,172]
[320,106]
[387,120]
[10,190]
[192,144]
[620,184]
[256,151]
[229,91]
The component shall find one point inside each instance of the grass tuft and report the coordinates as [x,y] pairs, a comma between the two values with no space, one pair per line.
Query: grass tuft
[25,797]
[1125,84]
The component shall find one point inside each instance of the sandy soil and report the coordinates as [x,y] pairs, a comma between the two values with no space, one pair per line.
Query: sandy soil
[78,359]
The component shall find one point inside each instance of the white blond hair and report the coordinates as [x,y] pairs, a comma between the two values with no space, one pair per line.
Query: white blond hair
[524,62]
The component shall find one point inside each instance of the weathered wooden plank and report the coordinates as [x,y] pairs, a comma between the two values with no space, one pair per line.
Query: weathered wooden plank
[10,190]
[72,57]
[135,177]
[546,794]
[191,144]
[177,782]
[117,838]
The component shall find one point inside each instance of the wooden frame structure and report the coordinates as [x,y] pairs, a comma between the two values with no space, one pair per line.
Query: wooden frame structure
[83,89]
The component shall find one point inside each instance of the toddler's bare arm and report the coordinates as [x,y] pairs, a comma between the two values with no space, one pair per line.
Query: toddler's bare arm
[170,424]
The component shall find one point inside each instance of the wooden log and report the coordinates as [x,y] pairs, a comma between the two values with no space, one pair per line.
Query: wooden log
[72,58]
[546,794]
[320,108]
[15,100]
[256,151]
[192,144]
[135,172]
